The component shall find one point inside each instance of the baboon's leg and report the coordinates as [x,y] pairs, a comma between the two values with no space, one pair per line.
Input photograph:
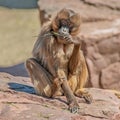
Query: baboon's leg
[73,65]
[78,74]
[82,78]
[73,105]
[72,81]
[41,79]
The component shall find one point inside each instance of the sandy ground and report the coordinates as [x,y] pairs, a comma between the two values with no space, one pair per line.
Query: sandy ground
[18,28]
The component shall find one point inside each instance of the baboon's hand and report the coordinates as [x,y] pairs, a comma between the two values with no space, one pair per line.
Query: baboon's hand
[73,107]
[67,39]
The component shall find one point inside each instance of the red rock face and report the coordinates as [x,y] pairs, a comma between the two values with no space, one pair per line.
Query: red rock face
[103,47]
[107,75]
[101,32]
[17,102]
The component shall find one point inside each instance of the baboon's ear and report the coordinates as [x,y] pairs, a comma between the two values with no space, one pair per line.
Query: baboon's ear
[76,19]
[63,14]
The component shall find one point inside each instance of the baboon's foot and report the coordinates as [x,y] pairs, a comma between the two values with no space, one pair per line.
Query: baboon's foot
[117,93]
[84,94]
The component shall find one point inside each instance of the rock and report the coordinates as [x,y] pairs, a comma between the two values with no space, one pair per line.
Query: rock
[111,4]
[88,9]
[109,46]
[21,84]
[116,117]
[112,71]
[101,33]
[17,103]
[103,51]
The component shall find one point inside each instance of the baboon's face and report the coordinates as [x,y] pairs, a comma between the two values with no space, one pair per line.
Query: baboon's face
[67,22]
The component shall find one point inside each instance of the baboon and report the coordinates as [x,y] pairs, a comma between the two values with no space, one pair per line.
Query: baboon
[58,65]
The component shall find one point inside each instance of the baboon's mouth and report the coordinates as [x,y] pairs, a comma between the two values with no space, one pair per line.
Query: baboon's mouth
[72,41]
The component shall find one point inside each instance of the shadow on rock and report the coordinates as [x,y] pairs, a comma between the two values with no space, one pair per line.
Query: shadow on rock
[21,88]
[16,70]
[29,89]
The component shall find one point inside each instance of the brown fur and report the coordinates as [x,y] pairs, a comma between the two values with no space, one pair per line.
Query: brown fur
[57,68]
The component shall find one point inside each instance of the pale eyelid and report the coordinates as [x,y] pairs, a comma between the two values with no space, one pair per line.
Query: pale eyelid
[74,29]
[63,22]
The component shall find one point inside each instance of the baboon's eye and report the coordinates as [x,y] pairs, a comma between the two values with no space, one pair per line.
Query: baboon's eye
[63,22]
[74,29]
[71,25]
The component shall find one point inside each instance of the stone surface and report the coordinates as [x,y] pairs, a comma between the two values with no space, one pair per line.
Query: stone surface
[101,33]
[18,101]
[114,72]
[90,10]
[103,50]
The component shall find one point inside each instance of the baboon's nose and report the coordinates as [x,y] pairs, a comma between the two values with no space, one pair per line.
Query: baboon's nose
[64,30]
